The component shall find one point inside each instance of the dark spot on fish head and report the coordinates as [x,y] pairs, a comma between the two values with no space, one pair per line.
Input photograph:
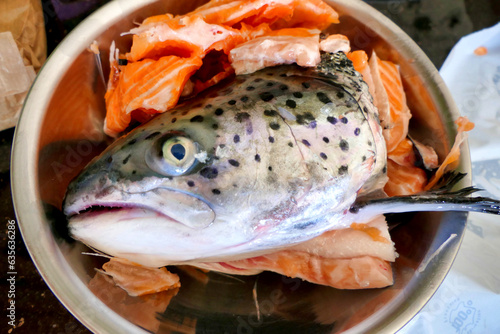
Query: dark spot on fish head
[103,193]
[209,172]
[326,140]
[323,156]
[215,126]
[232,102]
[244,98]
[274,126]
[343,169]
[219,111]
[357,131]
[216,191]
[306,85]
[283,87]
[271,139]
[270,84]
[298,95]
[305,118]
[197,119]
[323,97]
[174,120]
[290,144]
[126,159]
[257,157]
[270,168]
[332,120]
[305,142]
[344,145]
[250,88]
[242,116]
[344,120]
[109,159]
[234,163]
[266,96]
[270,113]
[236,138]
[291,103]
[190,183]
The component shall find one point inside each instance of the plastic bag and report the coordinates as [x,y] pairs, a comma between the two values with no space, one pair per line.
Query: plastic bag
[23,50]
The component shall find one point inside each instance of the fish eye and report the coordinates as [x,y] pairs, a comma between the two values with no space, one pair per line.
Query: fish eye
[178,151]
[173,156]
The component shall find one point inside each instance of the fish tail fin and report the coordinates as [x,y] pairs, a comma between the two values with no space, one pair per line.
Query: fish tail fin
[441,198]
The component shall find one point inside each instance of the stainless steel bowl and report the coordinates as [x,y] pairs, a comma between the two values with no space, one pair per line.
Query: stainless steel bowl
[60,131]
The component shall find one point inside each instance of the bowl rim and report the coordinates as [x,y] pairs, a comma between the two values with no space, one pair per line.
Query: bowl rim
[56,272]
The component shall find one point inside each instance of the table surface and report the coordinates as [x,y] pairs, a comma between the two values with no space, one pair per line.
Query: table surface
[435,25]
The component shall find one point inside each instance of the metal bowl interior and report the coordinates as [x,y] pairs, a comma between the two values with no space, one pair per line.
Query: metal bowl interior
[60,130]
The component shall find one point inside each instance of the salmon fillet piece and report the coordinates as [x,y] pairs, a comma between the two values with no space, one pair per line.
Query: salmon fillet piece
[284,46]
[390,99]
[404,180]
[219,25]
[359,60]
[358,257]
[147,85]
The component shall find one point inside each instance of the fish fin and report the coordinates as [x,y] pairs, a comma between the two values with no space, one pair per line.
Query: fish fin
[438,199]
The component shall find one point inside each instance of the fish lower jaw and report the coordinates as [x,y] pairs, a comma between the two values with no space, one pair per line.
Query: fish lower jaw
[146,237]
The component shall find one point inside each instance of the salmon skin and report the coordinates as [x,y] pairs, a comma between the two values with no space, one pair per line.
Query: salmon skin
[266,161]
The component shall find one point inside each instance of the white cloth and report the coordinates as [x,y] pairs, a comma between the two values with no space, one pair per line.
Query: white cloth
[468,300]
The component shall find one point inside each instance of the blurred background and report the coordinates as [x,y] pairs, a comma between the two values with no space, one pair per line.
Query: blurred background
[436,25]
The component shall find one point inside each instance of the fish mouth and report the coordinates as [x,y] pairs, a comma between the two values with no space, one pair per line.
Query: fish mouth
[174,206]
[94,211]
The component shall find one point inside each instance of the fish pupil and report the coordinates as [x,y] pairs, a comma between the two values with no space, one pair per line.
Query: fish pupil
[178,151]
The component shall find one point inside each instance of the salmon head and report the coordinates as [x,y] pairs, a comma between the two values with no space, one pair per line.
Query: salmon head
[267,160]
